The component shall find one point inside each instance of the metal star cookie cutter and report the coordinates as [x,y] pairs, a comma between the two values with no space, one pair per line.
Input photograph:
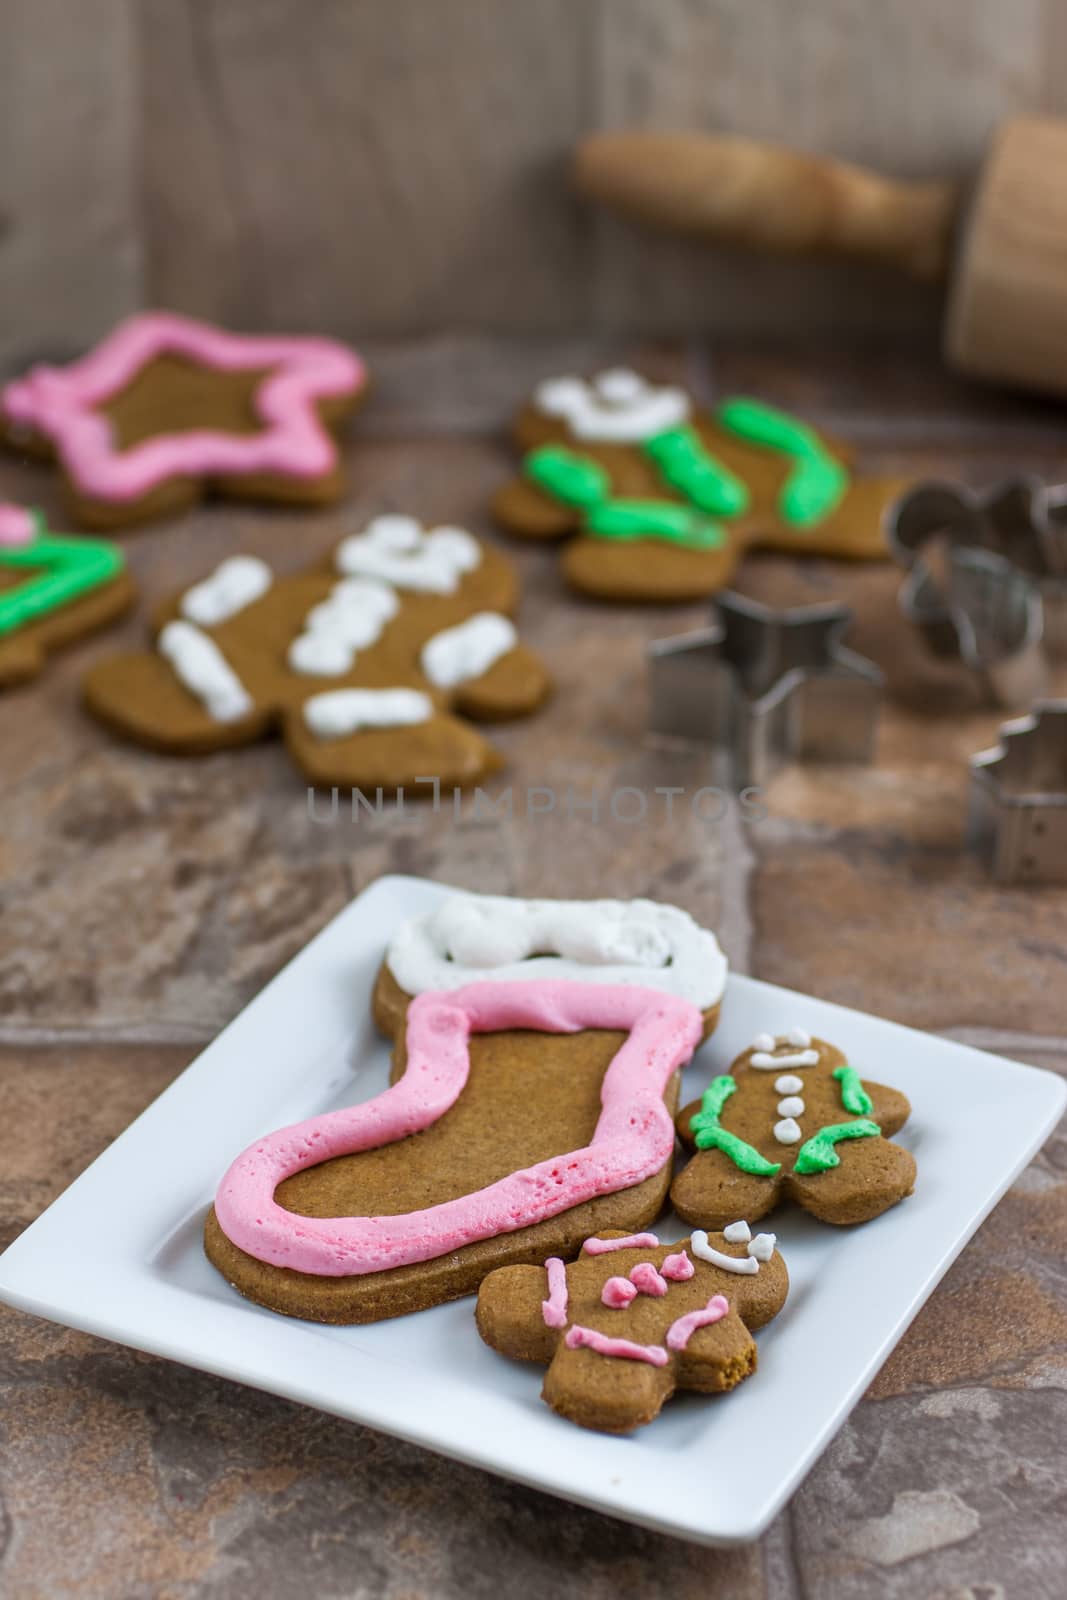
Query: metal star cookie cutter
[768,686]
[988,577]
[1017,820]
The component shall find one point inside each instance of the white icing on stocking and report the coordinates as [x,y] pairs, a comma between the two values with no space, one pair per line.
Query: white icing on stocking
[471,938]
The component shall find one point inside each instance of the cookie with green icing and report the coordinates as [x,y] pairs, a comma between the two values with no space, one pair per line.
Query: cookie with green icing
[54,590]
[664,498]
[792,1119]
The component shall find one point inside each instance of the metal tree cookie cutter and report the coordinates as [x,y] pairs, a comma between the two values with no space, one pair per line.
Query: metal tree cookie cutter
[988,577]
[1017,819]
[767,685]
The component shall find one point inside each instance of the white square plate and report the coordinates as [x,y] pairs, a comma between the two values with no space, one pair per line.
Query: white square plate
[119,1253]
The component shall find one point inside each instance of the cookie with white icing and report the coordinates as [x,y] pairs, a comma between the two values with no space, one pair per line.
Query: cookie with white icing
[792,1119]
[631,1320]
[372,669]
[664,498]
[536,1052]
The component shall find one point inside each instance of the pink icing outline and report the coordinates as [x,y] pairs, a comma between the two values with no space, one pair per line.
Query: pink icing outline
[554,1309]
[678,1268]
[60,402]
[646,1280]
[18,527]
[617,1293]
[633,1138]
[683,1328]
[632,1241]
[579,1338]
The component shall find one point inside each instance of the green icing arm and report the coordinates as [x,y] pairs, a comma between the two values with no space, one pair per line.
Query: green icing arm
[685,464]
[654,519]
[708,1135]
[574,479]
[60,570]
[817,482]
[854,1096]
[817,1154]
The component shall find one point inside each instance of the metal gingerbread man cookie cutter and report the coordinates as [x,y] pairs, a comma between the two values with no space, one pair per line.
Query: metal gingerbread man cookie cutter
[1017,819]
[987,578]
[768,686]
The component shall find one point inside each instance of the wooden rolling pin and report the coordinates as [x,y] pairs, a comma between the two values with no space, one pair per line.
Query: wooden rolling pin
[1002,249]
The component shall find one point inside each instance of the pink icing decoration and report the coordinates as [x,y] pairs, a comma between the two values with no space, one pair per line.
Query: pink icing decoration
[61,402]
[617,1293]
[632,1241]
[646,1280]
[17,526]
[678,1268]
[633,1138]
[554,1309]
[579,1338]
[682,1330]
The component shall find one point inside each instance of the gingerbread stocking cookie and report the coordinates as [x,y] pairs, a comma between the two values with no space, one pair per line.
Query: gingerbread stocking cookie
[370,669]
[665,499]
[54,590]
[632,1320]
[536,1047]
[166,409]
[792,1119]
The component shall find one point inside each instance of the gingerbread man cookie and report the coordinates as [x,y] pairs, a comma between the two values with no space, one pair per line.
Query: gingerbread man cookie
[792,1120]
[665,499]
[369,669]
[166,409]
[54,590]
[536,1048]
[632,1320]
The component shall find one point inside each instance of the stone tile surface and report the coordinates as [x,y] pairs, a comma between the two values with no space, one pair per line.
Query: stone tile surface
[143,901]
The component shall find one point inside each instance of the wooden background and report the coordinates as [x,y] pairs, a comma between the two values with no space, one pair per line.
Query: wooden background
[395,166]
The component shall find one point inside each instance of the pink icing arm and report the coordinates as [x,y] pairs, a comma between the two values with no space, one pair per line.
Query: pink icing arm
[633,1137]
[683,1328]
[579,1338]
[646,1280]
[632,1241]
[554,1309]
[678,1268]
[617,1293]
[61,403]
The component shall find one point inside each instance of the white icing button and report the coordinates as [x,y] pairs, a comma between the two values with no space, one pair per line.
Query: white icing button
[762,1246]
[763,1041]
[737,1233]
[786,1131]
[798,1037]
[788,1083]
[791,1106]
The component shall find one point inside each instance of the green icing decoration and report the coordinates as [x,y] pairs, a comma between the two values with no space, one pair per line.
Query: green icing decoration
[817,1154]
[686,465]
[708,1135]
[574,479]
[854,1096]
[817,483]
[654,519]
[61,570]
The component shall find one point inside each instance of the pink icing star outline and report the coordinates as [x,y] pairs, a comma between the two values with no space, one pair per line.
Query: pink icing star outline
[18,527]
[60,402]
[633,1138]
